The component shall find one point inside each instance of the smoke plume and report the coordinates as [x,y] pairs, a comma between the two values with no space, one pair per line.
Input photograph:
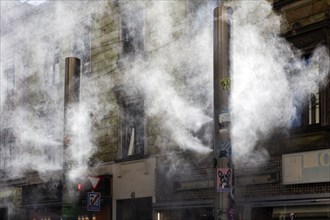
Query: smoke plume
[175,78]
[270,79]
[32,85]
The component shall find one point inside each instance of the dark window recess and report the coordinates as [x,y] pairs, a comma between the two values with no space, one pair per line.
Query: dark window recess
[6,153]
[10,77]
[132,33]
[314,109]
[46,192]
[56,66]
[52,65]
[4,213]
[314,98]
[132,129]
[261,213]
[134,209]
[82,48]
[197,214]
[86,57]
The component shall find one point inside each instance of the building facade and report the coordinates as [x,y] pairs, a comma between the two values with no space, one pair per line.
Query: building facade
[294,182]
[123,136]
[132,151]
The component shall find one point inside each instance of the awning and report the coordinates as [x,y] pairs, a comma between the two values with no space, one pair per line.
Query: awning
[43,205]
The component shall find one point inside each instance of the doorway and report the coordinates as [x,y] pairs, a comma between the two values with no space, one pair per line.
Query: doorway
[134,209]
[4,213]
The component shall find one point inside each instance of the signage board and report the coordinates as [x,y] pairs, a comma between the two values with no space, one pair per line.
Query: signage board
[95,181]
[306,167]
[94,201]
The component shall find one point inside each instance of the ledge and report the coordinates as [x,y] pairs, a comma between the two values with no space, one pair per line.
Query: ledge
[132,158]
[184,204]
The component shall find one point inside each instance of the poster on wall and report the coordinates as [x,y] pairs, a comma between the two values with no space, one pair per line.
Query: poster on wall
[224,179]
[306,167]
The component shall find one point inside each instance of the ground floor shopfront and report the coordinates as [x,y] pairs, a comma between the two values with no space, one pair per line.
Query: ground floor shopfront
[132,188]
[293,185]
[134,209]
[184,210]
[11,199]
[304,207]
[126,192]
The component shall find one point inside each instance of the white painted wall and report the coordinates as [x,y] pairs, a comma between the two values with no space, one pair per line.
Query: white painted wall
[136,176]
[133,176]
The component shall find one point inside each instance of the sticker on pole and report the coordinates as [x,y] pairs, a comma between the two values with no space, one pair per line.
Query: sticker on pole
[224,179]
[94,201]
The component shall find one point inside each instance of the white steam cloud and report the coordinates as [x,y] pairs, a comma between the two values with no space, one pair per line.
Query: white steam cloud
[31,2]
[173,98]
[175,79]
[32,86]
[270,79]
[80,142]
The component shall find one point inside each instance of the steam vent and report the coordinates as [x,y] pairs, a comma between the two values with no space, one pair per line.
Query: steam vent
[165,110]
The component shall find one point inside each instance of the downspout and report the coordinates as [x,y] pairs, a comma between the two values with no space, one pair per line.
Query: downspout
[71,97]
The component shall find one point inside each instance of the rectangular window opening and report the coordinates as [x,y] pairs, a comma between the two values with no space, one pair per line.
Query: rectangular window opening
[132,130]
[132,25]
[308,113]
[314,102]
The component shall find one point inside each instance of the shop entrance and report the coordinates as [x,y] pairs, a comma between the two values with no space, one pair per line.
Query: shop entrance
[134,209]
[4,213]
[198,214]
[264,213]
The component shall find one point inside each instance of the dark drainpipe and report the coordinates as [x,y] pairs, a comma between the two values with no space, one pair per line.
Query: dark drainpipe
[71,97]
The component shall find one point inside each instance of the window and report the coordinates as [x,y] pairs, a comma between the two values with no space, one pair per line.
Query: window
[7,148]
[86,57]
[10,76]
[132,130]
[52,66]
[314,103]
[82,46]
[56,66]
[132,32]
[314,108]
[308,112]
[49,191]
[3,213]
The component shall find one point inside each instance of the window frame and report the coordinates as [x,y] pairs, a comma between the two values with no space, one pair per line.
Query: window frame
[82,45]
[124,105]
[136,36]
[304,124]
[306,38]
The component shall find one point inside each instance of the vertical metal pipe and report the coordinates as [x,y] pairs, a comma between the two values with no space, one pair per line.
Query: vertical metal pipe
[71,89]
[72,80]
[223,171]
[71,97]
